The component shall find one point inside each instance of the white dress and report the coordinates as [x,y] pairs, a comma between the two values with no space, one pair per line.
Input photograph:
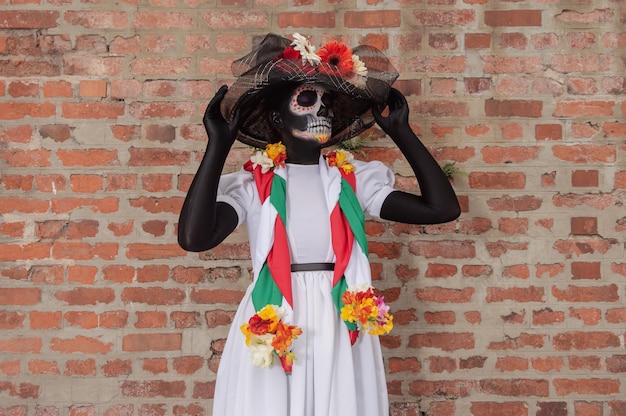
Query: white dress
[330,376]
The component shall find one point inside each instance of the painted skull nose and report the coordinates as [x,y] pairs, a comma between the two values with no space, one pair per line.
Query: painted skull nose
[325,112]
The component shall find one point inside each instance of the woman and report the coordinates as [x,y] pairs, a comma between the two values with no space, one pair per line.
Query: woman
[292,349]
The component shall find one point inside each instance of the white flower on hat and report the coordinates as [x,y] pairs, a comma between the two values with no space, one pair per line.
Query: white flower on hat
[359,67]
[307,51]
[360,72]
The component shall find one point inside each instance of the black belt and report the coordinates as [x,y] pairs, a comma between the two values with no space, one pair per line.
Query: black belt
[312,267]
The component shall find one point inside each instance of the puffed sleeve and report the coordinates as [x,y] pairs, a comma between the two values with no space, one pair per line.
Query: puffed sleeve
[237,190]
[374,182]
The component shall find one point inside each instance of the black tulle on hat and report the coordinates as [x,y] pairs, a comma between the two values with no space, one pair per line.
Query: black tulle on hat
[270,67]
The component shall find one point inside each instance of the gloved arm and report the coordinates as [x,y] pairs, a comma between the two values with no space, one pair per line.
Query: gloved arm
[437,202]
[203,222]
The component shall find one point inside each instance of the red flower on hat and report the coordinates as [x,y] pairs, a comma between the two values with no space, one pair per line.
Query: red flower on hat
[337,54]
[289,53]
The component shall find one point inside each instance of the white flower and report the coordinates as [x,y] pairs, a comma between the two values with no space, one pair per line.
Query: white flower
[360,72]
[307,51]
[360,287]
[279,311]
[262,350]
[261,158]
[359,67]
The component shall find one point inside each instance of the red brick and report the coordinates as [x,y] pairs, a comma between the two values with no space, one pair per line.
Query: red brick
[152,342]
[587,386]
[497,180]
[53,89]
[517,294]
[617,407]
[86,296]
[445,249]
[616,315]
[28,19]
[162,20]
[584,225]
[104,205]
[153,295]
[80,344]
[584,108]
[298,19]
[587,294]
[397,365]
[454,18]
[585,340]
[523,341]
[548,132]
[513,65]
[117,367]
[97,19]
[513,108]
[514,154]
[448,341]
[156,319]
[595,16]
[20,110]
[547,364]
[497,409]
[439,388]
[547,316]
[216,296]
[515,387]
[440,65]
[507,18]
[153,273]
[511,364]
[186,319]
[477,41]
[443,295]
[92,110]
[188,364]
[203,390]
[440,318]
[43,367]
[372,19]
[160,66]
[588,408]
[586,270]
[257,20]
[513,40]
[590,316]
[586,153]
[23,89]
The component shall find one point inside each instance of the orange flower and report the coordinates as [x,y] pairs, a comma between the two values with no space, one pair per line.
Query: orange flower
[341,159]
[337,54]
[284,335]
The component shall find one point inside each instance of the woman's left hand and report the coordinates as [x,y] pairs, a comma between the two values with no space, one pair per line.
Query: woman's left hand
[397,121]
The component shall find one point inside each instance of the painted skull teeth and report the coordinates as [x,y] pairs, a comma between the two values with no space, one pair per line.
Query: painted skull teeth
[320,129]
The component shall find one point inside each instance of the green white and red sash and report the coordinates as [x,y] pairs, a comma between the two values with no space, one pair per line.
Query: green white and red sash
[272,261]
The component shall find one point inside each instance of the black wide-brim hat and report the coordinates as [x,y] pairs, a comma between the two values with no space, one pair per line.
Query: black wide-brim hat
[265,70]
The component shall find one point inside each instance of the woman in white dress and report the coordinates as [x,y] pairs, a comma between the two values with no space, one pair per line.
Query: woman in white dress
[304,213]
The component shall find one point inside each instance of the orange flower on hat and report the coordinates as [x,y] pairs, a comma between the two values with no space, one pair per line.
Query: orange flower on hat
[337,54]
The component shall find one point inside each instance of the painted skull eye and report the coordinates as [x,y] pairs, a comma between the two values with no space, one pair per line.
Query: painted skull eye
[307,98]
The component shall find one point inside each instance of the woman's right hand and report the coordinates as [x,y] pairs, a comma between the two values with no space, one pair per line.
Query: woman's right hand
[216,126]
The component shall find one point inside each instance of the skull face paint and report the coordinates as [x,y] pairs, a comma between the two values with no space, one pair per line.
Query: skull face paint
[308,116]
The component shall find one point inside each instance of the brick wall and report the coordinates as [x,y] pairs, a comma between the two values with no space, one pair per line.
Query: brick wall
[518,308]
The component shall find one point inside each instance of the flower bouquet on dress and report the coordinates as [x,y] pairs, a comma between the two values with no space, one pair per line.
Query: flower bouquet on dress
[365,311]
[267,336]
